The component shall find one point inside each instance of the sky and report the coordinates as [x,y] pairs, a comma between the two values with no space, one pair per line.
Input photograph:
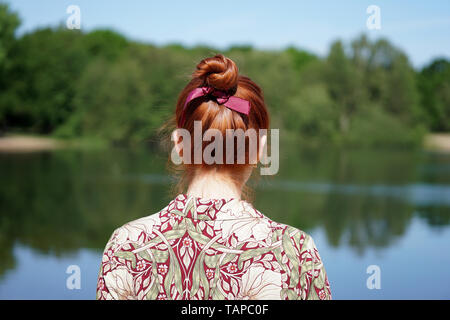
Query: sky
[420,28]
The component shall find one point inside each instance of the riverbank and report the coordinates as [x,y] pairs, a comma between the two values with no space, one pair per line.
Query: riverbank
[19,143]
[437,142]
[23,143]
[31,143]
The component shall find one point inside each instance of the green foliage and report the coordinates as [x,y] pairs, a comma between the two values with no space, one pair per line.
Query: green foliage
[300,58]
[382,127]
[345,85]
[101,85]
[105,43]
[121,104]
[46,66]
[312,114]
[8,24]
[434,85]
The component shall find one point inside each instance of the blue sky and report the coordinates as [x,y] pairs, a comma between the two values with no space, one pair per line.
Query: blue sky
[420,28]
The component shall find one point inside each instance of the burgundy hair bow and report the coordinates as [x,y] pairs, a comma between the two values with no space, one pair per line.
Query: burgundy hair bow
[222,98]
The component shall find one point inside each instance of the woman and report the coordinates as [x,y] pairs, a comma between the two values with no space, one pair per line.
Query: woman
[210,243]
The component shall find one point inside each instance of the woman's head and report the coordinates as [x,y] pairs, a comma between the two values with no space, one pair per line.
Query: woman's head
[219,76]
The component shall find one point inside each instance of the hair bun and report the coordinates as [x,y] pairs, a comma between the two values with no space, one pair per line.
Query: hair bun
[218,72]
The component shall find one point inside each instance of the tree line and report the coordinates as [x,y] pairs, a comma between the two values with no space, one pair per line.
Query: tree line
[101,85]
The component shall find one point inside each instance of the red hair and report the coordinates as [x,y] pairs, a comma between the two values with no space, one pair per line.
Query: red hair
[221,73]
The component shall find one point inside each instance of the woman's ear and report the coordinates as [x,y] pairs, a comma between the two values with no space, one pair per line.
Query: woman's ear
[178,142]
[262,146]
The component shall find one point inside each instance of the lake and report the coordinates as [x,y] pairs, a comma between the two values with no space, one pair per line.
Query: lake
[383,210]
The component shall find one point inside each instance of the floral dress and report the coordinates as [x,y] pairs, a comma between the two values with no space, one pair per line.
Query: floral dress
[210,249]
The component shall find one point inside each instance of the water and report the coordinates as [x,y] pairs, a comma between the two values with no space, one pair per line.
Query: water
[390,209]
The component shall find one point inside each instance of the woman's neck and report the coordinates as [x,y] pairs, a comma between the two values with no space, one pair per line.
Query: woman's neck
[213,186]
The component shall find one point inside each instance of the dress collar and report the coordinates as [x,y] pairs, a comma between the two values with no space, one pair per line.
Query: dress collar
[212,209]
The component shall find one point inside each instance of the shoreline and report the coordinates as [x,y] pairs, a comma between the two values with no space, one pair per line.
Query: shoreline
[24,143]
[439,142]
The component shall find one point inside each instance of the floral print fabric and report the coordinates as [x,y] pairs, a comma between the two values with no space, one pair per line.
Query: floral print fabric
[210,249]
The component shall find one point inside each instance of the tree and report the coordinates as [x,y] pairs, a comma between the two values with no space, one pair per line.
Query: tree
[344,83]
[9,22]
[113,103]
[45,67]
[105,43]
[434,86]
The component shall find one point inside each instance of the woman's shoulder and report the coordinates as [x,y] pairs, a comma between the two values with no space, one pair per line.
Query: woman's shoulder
[299,256]
[285,231]
[137,231]
[294,242]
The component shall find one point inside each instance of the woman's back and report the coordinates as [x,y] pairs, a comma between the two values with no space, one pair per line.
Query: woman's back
[199,248]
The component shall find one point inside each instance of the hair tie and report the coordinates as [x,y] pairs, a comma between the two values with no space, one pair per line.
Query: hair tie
[222,98]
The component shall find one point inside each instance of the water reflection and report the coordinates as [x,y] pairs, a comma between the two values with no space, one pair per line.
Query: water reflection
[58,203]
